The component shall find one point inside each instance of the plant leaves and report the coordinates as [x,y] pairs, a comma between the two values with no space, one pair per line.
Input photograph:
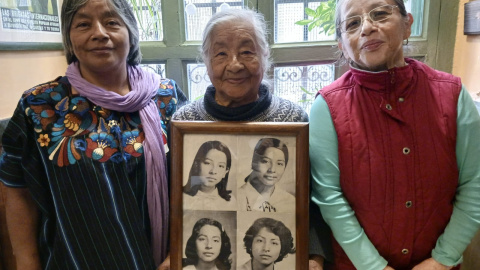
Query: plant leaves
[319,10]
[314,24]
[306,91]
[303,22]
[310,12]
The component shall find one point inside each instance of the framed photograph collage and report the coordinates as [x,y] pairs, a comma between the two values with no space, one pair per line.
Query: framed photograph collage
[243,188]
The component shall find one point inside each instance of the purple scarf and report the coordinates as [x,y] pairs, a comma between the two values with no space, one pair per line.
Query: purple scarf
[144,86]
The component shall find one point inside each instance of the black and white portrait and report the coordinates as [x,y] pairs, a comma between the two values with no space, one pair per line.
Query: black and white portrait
[208,184]
[266,176]
[209,240]
[266,241]
[247,181]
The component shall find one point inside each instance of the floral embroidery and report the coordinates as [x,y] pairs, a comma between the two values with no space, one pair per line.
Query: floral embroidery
[112,123]
[68,126]
[42,116]
[42,88]
[132,141]
[101,145]
[43,140]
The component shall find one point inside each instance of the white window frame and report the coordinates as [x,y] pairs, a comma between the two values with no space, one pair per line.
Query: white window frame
[433,46]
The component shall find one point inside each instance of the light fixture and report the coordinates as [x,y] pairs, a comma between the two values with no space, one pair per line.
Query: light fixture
[224,6]
[190,9]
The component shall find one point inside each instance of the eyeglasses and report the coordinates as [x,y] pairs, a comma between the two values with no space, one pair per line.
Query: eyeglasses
[376,15]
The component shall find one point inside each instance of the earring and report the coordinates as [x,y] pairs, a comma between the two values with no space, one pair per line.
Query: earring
[406,43]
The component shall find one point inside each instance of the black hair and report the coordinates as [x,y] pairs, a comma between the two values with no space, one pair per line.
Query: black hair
[276,227]
[223,261]
[195,169]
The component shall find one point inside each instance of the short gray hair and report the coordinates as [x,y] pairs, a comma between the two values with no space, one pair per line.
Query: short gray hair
[245,15]
[120,7]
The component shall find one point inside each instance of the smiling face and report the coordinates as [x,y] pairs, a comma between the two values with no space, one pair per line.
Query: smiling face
[266,247]
[208,243]
[99,38]
[270,167]
[213,168]
[374,46]
[235,63]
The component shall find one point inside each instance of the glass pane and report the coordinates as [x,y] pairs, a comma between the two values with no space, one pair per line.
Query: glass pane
[198,12]
[157,68]
[416,8]
[300,83]
[198,81]
[285,29]
[287,12]
[149,18]
[316,34]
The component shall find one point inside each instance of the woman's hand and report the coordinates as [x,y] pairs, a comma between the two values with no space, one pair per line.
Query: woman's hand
[165,265]
[388,268]
[431,264]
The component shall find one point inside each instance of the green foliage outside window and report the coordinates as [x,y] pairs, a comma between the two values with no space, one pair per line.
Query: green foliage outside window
[148,17]
[323,17]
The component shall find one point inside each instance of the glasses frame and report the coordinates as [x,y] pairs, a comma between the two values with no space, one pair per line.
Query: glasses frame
[363,16]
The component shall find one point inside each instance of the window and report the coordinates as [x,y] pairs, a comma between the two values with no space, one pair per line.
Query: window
[298,54]
[198,12]
[287,12]
[198,80]
[301,83]
[149,18]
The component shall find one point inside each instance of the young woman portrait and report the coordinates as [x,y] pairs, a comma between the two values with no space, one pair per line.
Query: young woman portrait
[206,188]
[267,241]
[260,191]
[208,248]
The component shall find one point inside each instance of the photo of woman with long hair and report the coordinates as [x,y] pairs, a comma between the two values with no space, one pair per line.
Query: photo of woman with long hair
[208,248]
[267,241]
[260,191]
[206,188]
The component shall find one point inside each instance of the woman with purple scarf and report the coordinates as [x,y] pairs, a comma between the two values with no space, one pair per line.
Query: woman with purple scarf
[84,159]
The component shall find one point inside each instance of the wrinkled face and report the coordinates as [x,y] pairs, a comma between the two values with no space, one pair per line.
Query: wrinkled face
[235,63]
[99,38]
[208,243]
[270,167]
[375,46]
[213,168]
[266,247]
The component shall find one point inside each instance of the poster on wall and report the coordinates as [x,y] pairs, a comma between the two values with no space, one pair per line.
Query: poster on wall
[24,22]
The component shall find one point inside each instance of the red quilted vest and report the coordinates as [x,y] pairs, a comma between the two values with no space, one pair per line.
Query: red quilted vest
[396,141]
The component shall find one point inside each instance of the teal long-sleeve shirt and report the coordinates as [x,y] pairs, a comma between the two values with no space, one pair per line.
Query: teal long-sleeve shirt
[337,212]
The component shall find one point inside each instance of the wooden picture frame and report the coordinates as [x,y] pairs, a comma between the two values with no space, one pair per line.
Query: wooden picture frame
[241,138]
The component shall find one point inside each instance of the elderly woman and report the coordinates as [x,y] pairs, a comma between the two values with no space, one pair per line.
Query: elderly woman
[394,150]
[84,155]
[236,53]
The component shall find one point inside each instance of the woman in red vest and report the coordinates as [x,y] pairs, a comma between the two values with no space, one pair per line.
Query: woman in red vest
[394,150]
